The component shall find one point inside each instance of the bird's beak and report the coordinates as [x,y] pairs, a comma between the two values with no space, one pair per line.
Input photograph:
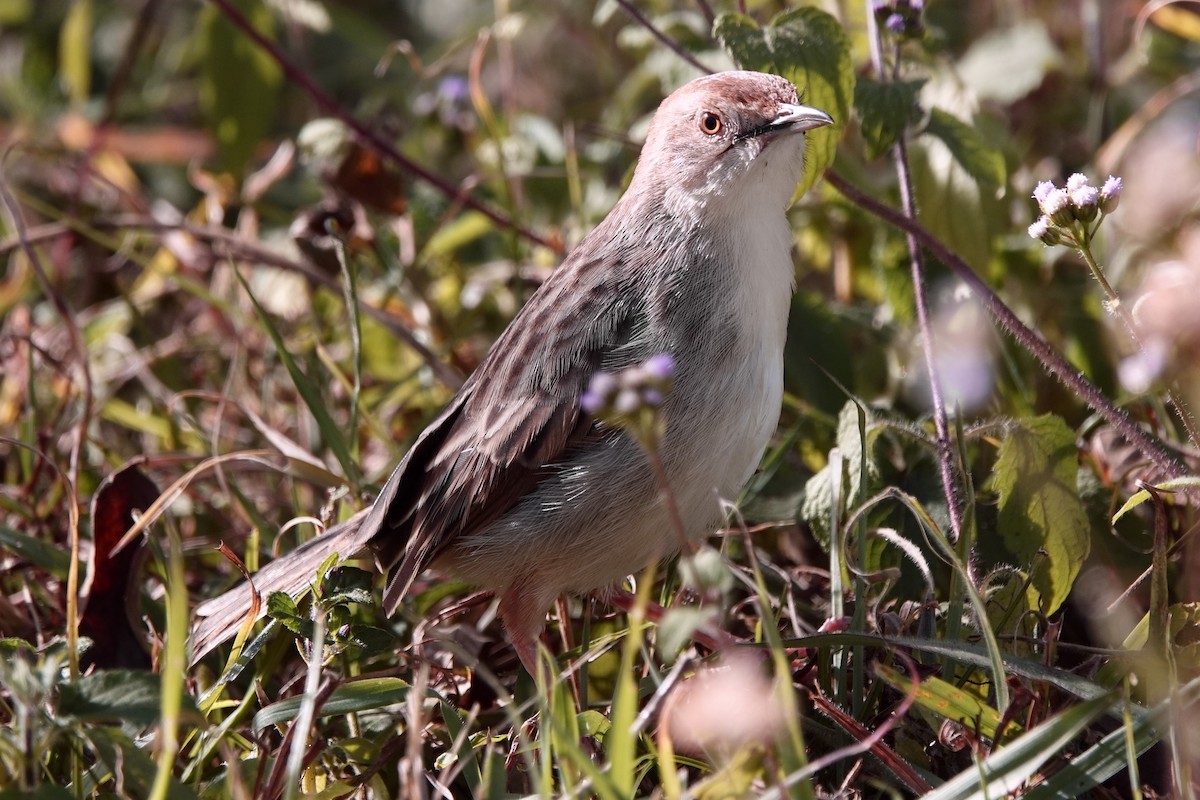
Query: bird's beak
[796,118]
[792,118]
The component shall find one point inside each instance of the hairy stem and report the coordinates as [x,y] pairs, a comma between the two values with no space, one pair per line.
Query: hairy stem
[1053,362]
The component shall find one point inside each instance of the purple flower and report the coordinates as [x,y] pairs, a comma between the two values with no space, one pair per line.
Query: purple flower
[660,367]
[599,392]
[895,23]
[652,397]
[628,401]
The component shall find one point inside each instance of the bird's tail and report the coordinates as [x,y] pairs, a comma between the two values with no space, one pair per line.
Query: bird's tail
[220,618]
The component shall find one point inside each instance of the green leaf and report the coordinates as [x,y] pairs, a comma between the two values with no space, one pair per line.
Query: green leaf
[1187,482]
[948,701]
[117,755]
[239,83]
[15,12]
[817,508]
[1110,755]
[115,695]
[281,607]
[810,49]
[75,52]
[981,162]
[363,695]
[43,792]
[969,654]
[956,179]
[884,111]
[347,585]
[36,551]
[1006,65]
[1042,520]
[1007,768]
[330,430]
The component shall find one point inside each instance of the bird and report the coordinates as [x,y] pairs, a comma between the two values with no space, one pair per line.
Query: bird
[514,487]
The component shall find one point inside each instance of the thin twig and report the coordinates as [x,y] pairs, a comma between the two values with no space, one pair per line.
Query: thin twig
[947,467]
[1052,361]
[670,43]
[368,136]
[240,247]
[85,417]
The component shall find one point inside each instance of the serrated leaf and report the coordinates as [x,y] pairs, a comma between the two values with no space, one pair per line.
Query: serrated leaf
[810,49]
[957,178]
[281,607]
[884,111]
[981,162]
[817,508]
[363,695]
[347,585]
[1042,519]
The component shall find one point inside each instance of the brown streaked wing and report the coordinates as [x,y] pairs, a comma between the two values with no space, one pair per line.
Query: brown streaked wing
[514,419]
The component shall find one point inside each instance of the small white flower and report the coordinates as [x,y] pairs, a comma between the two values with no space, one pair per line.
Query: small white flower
[1055,201]
[1085,196]
[1076,182]
[1039,228]
[1042,191]
[1110,194]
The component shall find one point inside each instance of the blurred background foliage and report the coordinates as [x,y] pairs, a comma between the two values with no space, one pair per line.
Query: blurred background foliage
[160,167]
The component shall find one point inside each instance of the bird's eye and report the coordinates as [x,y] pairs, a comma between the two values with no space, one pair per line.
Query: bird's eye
[710,123]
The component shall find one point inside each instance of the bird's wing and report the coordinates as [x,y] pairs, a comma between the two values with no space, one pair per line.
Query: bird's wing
[516,417]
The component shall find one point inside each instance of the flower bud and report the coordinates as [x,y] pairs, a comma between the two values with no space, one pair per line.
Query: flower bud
[1044,232]
[1076,182]
[1110,194]
[1085,203]
[1042,191]
[599,394]
[1057,207]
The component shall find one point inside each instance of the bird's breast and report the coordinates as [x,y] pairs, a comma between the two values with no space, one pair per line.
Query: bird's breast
[732,408]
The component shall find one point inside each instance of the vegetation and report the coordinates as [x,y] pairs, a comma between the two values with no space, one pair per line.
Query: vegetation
[250,247]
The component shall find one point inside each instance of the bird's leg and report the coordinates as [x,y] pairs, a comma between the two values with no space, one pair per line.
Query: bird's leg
[524,614]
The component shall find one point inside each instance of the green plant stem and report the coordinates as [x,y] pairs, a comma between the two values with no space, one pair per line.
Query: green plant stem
[1083,245]
[174,666]
[649,444]
[308,708]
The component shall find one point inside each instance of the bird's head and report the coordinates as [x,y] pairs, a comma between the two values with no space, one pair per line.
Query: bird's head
[728,135]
